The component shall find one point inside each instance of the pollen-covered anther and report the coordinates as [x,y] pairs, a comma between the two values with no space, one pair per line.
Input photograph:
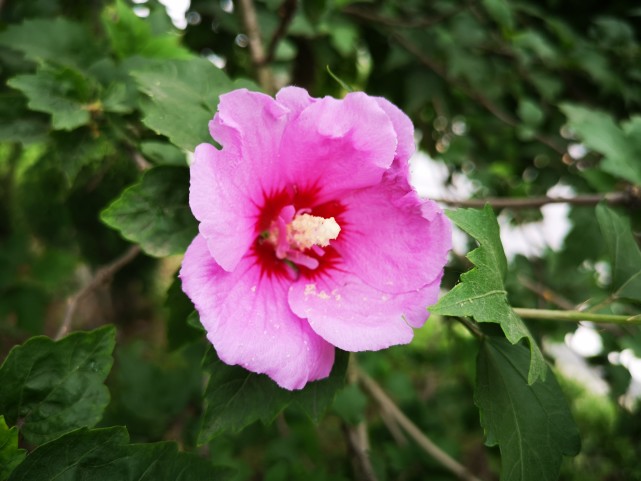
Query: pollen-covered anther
[308,230]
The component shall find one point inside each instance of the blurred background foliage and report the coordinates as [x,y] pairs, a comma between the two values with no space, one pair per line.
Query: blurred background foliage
[515,96]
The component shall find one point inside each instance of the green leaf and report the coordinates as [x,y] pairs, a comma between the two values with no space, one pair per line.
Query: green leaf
[183,99]
[179,331]
[59,41]
[598,131]
[63,93]
[530,112]
[625,255]
[500,11]
[155,212]
[163,153]
[106,455]
[52,387]
[236,397]
[532,424]
[481,293]
[350,404]
[10,454]
[316,398]
[131,35]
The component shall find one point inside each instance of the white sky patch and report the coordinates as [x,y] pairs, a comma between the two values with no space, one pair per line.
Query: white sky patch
[177,9]
[430,179]
[532,238]
[585,341]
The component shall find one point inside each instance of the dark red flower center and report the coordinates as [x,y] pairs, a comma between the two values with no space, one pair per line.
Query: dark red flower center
[295,234]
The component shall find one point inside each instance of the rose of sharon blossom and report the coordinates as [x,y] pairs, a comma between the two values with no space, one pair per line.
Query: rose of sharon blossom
[310,237]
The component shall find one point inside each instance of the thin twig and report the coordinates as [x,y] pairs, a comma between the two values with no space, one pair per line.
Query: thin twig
[412,430]
[490,106]
[256,49]
[370,16]
[546,294]
[576,316]
[612,198]
[357,436]
[102,275]
[358,443]
[286,12]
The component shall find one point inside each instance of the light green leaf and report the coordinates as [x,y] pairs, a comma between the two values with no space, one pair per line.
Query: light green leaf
[530,113]
[10,454]
[625,255]
[183,98]
[481,293]
[106,455]
[236,397]
[63,93]
[500,11]
[131,35]
[52,387]
[621,150]
[532,424]
[155,212]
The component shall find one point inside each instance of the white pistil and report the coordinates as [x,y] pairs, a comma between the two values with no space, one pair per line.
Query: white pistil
[308,230]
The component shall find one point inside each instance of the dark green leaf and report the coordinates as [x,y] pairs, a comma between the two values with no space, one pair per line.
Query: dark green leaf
[531,423]
[10,454]
[50,388]
[236,397]
[481,293]
[61,93]
[624,253]
[179,331]
[105,455]
[155,212]
[59,41]
[598,131]
[183,99]
[318,396]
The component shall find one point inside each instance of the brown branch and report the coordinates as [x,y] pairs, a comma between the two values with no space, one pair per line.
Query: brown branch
[485,102]
[286,13]
[370,16]
[103,275]
[256,49]
[358,443]
[628,198]
[412,430]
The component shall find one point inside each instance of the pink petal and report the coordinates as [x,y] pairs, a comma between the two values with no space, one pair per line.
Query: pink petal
[338,144]
[249,322]
[392,239]
[227,217]
[227,186]
[404,130]
[295,99]
[353,316]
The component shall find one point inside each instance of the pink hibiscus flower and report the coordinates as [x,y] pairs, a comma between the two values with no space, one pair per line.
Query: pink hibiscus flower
[310,235]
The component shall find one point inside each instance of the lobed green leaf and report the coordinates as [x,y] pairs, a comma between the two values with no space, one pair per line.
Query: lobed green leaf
[481,293]
[183,96]
[235,397]
[624,253]
[155,212]
[531,423]
[106,455]
[52,387]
